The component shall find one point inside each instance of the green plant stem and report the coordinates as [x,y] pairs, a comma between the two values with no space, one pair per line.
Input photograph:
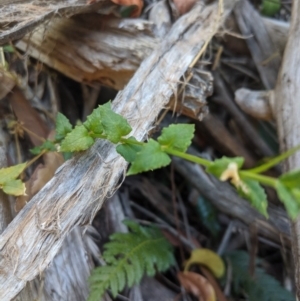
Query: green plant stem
[265,180]
[36,157]
[274,161]
[249,174]
[187,157]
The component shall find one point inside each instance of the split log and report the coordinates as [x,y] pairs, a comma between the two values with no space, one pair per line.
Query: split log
[92,48]
[80,186]
[287,95]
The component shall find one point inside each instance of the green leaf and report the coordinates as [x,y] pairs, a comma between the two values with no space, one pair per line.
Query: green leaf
[47,145]
[93,121]
[207,258]
[258,287]
[208,215]
[289,198]
[62,127]
[77,140]
[14,187]
[106,122]
[291,179]
[253,192]
[11,173]
[8,48]
[128,151]
[67,155]
[150,157]
[177,136]
[128,257]
[270,7]
[270,162]
[218,166]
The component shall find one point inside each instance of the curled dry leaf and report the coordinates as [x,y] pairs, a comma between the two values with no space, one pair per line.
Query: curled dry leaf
[183,6]
[137,3]
[28,117]
[206,258]
[197,285]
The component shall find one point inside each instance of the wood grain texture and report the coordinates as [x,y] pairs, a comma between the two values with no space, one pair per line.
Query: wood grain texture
[81,185]
[287,105]
[67,276]
[19,17]
[92,48]
[263,50]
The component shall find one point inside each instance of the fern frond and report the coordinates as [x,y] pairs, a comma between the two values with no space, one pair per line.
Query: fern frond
[128,257]
[261,287]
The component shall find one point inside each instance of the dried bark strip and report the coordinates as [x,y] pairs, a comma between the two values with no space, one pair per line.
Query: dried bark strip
[79,188]
[287,105]
[20,17]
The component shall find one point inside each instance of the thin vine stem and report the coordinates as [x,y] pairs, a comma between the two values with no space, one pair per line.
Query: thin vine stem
[265,180]
[187,157]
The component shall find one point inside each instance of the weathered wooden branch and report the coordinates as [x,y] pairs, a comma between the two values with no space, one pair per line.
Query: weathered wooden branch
[277,30]
[80,186]
[99,50]
[287,95]
[71,265]
[21,17]
[263,50]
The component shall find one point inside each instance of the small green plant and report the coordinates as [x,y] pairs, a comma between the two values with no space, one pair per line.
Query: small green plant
[103,123]
[270,7]
[260,286]
[128,256]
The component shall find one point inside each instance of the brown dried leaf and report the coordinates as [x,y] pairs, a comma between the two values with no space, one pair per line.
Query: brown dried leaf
[28,116]
[138,3]
[220,295]
[197,285]
[41,175]
[183,6]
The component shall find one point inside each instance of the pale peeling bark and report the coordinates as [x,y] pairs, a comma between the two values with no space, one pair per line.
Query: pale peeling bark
[80,186]
[287,96]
